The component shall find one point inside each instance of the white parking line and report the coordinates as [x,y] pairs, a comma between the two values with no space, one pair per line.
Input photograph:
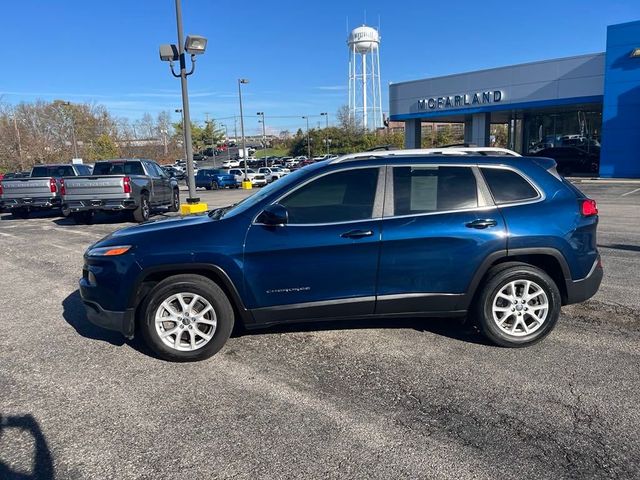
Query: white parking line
[631,192]
[8,235]
[77,232]
[62,247]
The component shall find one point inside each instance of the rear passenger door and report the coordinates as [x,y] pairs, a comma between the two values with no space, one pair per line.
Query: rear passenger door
[439,225]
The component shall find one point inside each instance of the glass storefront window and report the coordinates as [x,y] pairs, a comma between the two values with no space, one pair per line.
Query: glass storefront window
[571,137]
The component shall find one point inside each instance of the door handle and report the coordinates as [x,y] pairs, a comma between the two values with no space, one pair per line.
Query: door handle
[483,223]
[357,234]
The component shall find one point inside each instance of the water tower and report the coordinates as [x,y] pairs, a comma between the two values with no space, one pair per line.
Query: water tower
[365,93]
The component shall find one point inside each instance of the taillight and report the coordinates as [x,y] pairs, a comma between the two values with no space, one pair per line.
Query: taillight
[52,185]
[126,184]
[588,207]
[63,190]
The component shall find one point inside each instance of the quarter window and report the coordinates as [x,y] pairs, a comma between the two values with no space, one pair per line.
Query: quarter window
[425,189]
[508,186]
[337,197]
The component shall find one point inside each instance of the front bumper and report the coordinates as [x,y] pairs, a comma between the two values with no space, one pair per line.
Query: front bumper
[123,322]
[116,204]
[581,290]
[37,202]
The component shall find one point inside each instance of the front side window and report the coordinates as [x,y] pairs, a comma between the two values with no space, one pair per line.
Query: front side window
[337,197]
[428,189]
[507,186]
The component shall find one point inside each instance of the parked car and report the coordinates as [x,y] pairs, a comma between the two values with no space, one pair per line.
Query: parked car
[39,191]
[213,179]
[174,172]
[120,185]
[272,173]
[256,179]
[230,164]
[572,160]
[504,240]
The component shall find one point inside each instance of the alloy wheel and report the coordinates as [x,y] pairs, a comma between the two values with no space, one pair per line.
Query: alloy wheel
[185,321]
[520,308]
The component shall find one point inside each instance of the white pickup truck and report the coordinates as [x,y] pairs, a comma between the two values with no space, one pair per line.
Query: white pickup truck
[256,179]
[39,191]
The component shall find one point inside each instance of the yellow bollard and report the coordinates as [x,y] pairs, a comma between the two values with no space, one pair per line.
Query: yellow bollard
[246,185]
[190,208]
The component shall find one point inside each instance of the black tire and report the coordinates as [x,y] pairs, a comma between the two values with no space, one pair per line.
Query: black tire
[175,201]
[497,279]
[193,284]
[214,186]
[143,212]
[20,213]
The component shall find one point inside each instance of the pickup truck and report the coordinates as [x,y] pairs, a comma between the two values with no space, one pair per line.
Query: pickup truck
[256,179]
[134,185]
[39,191]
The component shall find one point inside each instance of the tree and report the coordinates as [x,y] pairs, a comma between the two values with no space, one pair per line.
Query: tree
[103,148]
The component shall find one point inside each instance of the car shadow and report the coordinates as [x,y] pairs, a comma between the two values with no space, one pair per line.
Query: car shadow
[36,214]
[75,315]
[622,246]
[42,460]
[455,328]
[118,218]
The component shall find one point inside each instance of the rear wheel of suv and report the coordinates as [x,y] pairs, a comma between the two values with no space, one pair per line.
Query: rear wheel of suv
[186,318]
[214,185]
[518,306]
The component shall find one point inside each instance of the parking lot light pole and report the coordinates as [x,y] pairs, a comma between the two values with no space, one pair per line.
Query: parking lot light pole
[194,45]
[326,130]
[246,184]
[264,136]
[308,142]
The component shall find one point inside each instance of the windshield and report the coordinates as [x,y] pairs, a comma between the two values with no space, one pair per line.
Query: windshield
[118,168]
[264,192]
[56,171]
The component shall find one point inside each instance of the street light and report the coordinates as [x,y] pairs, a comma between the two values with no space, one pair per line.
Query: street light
[326,135]
[308,142]
[246,184]
[264,136]
[194,45]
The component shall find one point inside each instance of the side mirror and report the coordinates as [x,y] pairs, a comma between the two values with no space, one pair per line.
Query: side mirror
[274,215]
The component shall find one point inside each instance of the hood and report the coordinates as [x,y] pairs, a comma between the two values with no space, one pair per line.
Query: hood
[153,226]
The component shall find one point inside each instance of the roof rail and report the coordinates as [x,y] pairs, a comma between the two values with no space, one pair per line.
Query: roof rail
[427,151]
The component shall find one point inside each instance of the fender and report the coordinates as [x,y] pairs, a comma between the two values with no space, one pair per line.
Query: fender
[211,271]
[501,254]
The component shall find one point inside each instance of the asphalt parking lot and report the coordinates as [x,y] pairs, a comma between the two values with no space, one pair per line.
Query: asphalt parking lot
[386,399]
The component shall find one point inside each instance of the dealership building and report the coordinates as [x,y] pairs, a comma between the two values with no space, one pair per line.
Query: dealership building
[587,105]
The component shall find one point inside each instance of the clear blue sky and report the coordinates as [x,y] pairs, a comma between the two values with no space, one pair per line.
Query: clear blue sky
[294,52]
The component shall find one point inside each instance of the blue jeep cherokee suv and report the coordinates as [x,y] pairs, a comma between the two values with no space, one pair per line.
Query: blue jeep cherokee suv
[505,240]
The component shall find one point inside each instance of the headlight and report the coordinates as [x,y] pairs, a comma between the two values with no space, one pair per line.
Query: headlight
[108,251]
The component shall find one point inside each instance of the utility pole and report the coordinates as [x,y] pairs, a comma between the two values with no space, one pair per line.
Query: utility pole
[15,126]
[326,131]
[308,142]
[264,136]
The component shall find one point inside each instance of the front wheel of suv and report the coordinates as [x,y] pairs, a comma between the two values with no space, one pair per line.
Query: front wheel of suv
[518,306]
[186,318]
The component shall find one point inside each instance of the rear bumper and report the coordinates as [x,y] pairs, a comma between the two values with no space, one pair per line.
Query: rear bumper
[38,202]
[114,204]
[123,322]
[581,290]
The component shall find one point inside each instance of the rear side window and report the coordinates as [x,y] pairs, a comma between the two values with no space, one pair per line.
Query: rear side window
[337,197]
[119,168]
[508,186]
[426,189]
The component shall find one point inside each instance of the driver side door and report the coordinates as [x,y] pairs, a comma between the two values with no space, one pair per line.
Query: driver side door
[323,262]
